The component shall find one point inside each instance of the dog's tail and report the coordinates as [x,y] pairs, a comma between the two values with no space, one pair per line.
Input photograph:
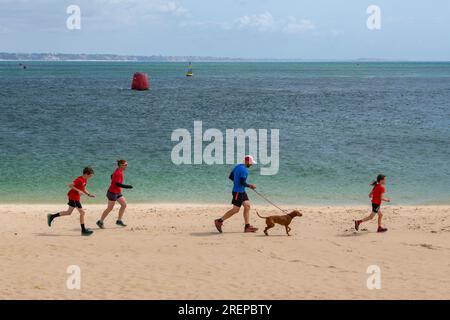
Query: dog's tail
[259,215]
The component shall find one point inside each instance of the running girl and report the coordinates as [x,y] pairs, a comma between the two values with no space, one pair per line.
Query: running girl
[77,188]
[114,194]
[377,197]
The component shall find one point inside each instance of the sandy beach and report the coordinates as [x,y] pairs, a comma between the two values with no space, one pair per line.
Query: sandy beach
[171,251]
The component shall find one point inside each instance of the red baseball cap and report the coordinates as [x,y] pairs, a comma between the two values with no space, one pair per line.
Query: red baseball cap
[249,159]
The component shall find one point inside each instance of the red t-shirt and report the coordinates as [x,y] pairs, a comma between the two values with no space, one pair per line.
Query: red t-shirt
[80,184]
[117,176]
[377,193]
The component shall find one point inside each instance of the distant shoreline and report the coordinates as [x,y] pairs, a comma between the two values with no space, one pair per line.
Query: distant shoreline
[65,57]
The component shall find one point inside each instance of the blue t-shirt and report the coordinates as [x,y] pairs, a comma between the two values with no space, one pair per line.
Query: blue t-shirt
[239,172]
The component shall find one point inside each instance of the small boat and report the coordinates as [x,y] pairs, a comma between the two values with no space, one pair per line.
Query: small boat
[189,72]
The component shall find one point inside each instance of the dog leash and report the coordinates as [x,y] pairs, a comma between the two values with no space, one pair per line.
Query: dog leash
[265,198]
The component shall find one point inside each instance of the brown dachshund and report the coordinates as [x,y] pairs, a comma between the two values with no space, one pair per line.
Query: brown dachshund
[283,220]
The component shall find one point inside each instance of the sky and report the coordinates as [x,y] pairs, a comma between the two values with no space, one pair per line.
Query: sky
[272,29]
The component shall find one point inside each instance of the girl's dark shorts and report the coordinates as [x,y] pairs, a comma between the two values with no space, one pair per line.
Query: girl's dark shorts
[239,198]
[74,204]
[376,207]
[113,196]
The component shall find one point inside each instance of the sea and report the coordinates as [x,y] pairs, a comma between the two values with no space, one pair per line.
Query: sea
[340,124]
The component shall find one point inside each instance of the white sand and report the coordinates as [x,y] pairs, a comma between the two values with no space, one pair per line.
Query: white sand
[173,252]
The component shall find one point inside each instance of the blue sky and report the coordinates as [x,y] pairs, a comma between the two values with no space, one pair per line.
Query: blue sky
[285,29]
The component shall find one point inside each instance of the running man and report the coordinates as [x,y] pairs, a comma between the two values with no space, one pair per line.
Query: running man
[239,177]
[114,195]
[77,188]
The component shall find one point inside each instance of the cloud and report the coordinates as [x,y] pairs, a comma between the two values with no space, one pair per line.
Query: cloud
[160,6]
[99,15]
[173,8]
[260,22]
[120,14]
[266,22]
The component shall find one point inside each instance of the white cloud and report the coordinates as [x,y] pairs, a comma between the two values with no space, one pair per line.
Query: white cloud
[120,14]
[145,7]
[266,22]
[172,7]
[260,22]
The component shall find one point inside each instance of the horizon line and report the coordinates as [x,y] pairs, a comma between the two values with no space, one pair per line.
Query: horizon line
[179,58]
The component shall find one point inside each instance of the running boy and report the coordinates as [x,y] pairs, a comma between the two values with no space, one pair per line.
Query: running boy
[77,187]
[239,177]
[377,197]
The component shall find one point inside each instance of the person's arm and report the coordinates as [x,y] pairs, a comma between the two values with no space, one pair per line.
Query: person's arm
[125,186]
[231,176]
[371,193]
[385,199]
[90,195]
[72,186]
[243,182]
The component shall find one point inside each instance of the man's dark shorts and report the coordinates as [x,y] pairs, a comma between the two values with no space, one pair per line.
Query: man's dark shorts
[74,204]
[113,196]
[239,198]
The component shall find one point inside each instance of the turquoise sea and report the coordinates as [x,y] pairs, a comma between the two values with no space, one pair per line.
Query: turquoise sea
[340,125]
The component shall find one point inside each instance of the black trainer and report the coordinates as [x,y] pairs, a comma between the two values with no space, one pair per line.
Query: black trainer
[120,223]
[86,232]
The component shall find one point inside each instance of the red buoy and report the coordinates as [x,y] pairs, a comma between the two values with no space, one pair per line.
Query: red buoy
[140,81]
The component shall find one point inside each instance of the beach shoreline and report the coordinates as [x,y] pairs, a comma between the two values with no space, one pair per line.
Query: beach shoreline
[172,251]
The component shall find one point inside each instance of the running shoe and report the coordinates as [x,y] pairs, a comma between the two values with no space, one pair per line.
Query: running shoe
[49,219]
[381,229]
[250,229]
[120,223]
[100,224]
[86,232]
[218,224]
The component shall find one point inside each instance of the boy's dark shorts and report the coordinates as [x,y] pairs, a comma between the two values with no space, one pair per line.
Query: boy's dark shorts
[375,207]
[74,204]
[239,198]
[113,196]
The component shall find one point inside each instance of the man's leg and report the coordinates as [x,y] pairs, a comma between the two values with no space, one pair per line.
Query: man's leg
[248,227]
[230,213]
[247,206]
[219,222]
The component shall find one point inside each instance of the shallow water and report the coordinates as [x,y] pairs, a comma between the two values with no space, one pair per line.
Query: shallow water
[340,125]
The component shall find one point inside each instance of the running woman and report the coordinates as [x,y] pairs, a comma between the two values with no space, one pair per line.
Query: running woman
[77,188]
[239,177]
[114,194]
[377,197]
